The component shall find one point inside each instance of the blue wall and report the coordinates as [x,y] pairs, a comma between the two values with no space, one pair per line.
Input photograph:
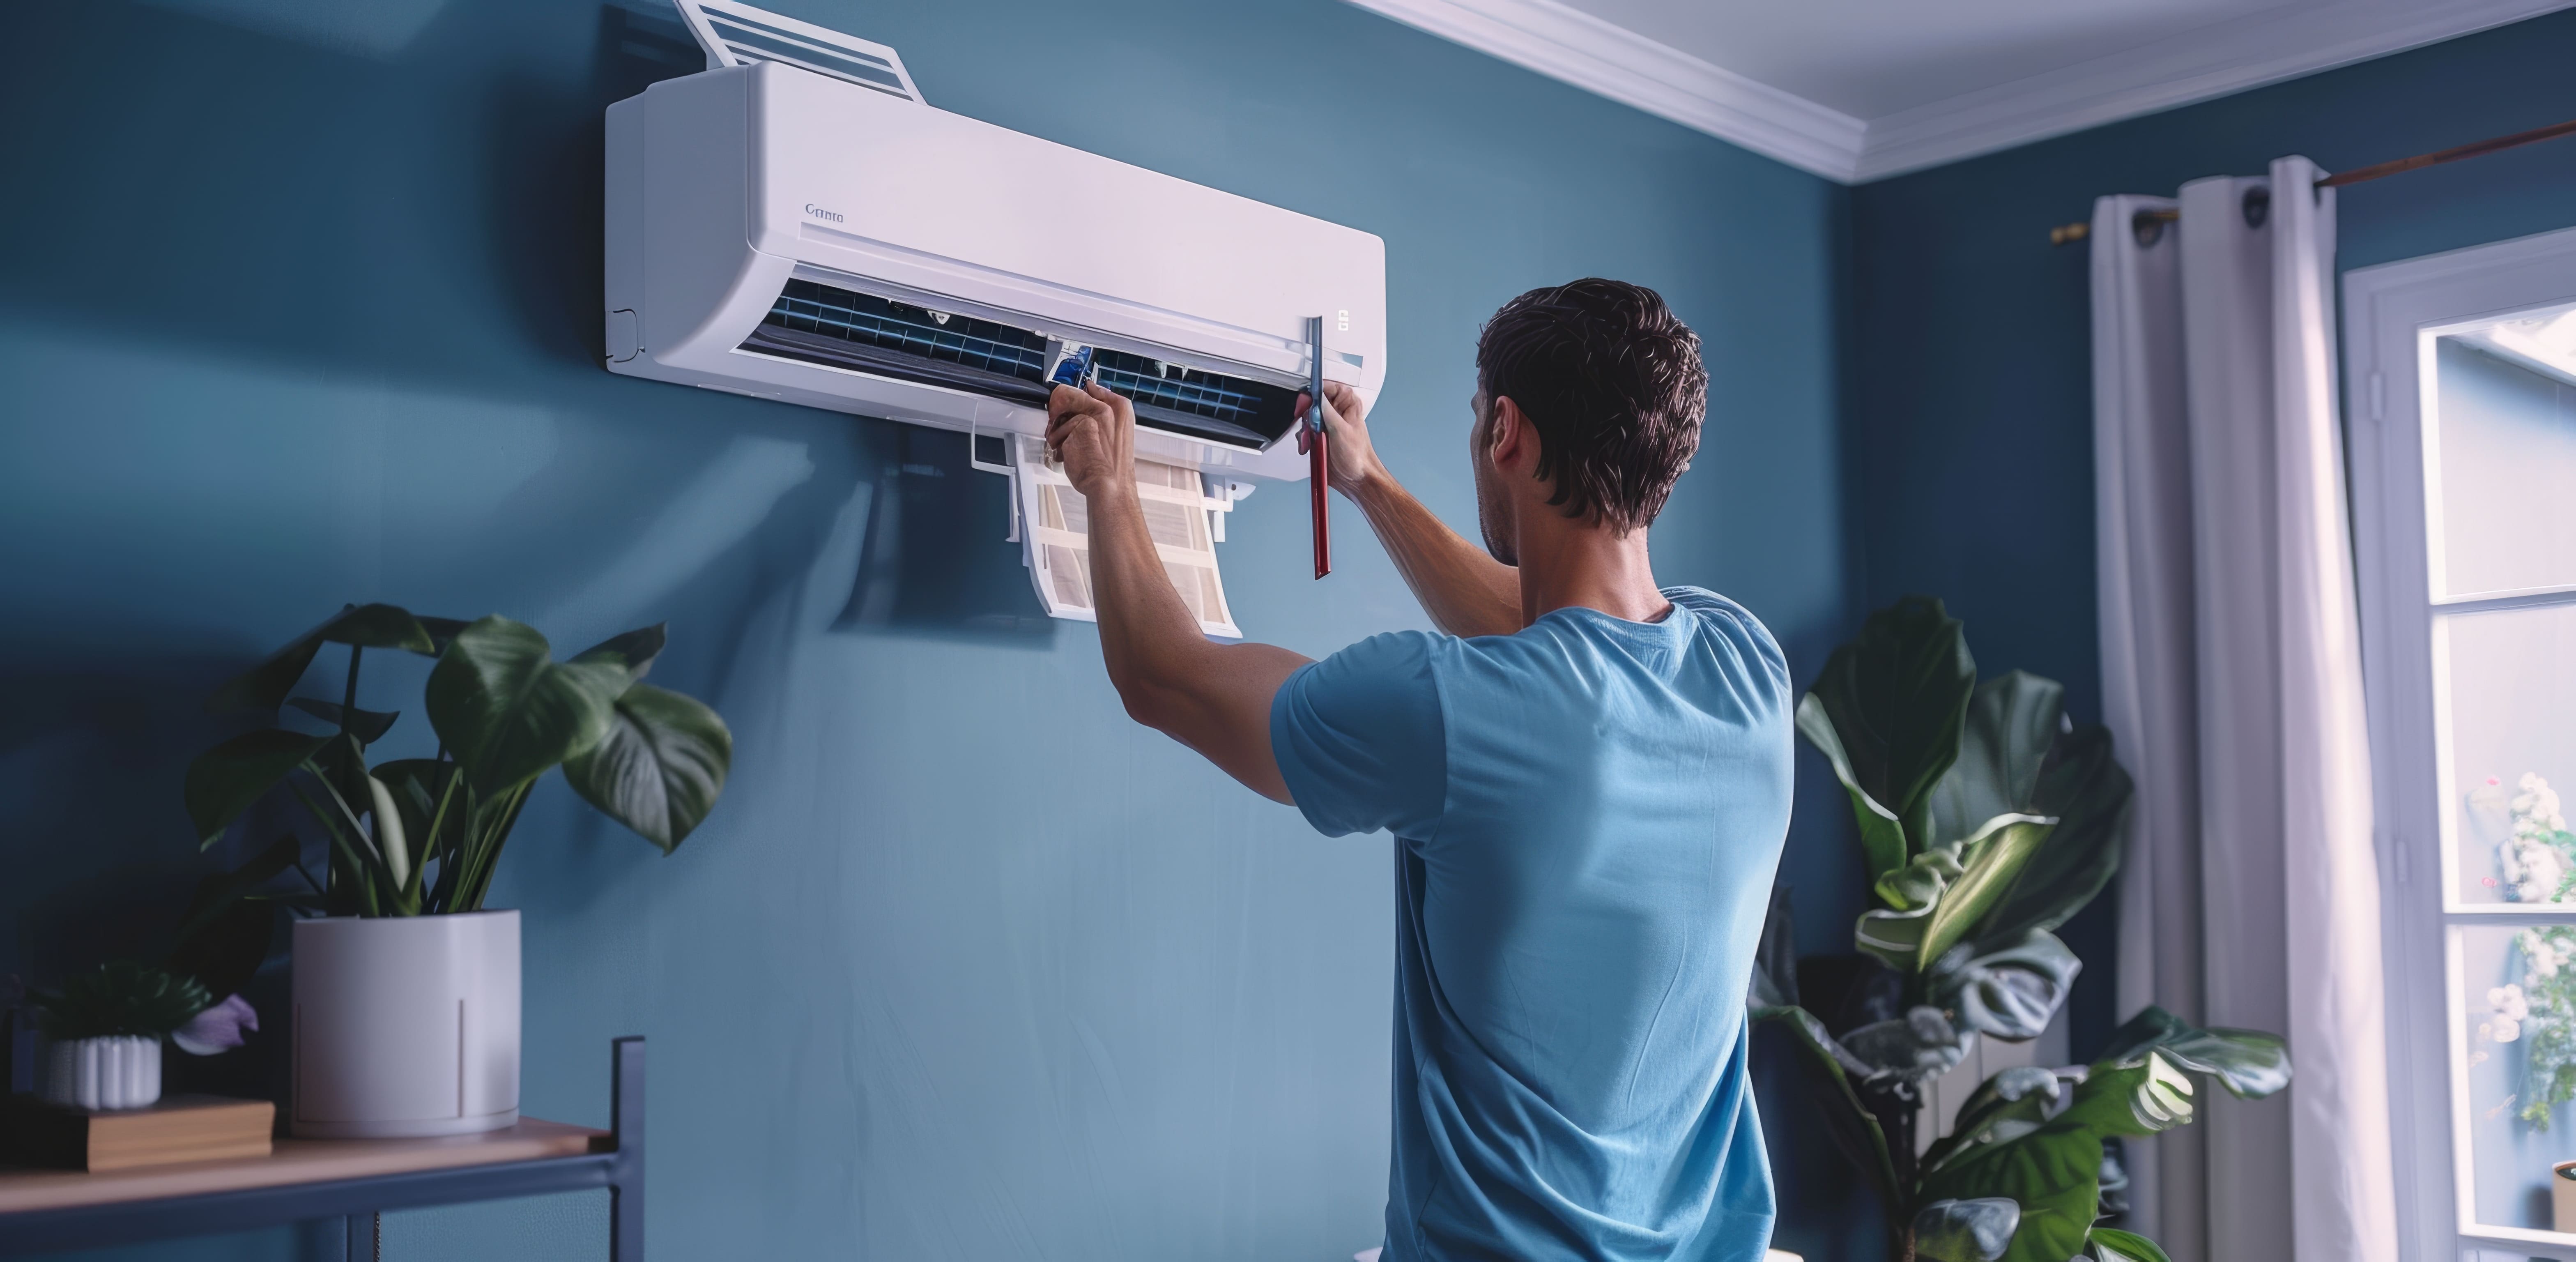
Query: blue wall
[298,305]
[1971,406]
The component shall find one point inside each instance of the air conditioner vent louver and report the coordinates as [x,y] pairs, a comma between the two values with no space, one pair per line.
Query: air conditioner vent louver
[823,324]
[1180,389]
[734,34]
[857,317]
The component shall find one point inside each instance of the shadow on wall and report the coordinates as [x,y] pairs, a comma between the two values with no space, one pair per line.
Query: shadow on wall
[931,562]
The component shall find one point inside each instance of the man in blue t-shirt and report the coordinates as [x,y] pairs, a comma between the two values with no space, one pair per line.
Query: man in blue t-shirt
[1587,778]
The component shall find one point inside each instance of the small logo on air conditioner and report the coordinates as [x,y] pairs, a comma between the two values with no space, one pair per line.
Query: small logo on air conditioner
[831,216]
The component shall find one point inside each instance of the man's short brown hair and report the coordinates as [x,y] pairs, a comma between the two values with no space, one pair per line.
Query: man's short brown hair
[1613,382]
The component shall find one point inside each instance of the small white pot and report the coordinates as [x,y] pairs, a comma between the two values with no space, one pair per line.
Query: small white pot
[120,1071]
[406,1025]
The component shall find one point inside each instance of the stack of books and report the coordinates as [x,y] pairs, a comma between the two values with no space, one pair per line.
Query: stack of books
[37,1132]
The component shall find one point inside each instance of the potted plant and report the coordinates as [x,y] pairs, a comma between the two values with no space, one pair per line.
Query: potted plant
[1986,821]
[406,991]
[107,1025]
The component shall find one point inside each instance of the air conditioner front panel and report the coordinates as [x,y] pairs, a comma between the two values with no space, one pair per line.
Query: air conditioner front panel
[733,192]
[862,183]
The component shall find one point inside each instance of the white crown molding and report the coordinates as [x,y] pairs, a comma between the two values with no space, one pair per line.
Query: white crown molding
[2199,65]
[1626,67]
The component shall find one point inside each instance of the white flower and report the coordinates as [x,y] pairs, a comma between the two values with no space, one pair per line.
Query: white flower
[2542,869]
[2530,860]
[2533,870]
[2536,808]
[2509,1004]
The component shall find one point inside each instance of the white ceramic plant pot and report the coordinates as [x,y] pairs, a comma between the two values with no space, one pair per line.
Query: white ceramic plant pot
[117,1072]
[406,1025]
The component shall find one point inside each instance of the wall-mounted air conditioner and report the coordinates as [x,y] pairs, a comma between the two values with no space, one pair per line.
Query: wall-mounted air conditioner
[795,223]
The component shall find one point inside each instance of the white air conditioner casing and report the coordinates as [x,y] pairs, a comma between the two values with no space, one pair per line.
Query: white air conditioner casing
[724,187]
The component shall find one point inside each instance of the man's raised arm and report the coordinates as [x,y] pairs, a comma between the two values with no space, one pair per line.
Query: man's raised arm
[1464,589]
[1214,698]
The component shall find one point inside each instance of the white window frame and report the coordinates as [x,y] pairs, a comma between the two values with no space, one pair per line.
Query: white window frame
[2388,389]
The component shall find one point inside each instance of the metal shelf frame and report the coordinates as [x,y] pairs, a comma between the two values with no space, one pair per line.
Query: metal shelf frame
[617,1164]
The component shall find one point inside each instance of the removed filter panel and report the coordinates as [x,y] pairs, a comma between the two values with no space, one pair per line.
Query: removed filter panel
[1056,536]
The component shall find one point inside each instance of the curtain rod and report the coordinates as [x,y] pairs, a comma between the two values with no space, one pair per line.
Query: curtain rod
[2063,233]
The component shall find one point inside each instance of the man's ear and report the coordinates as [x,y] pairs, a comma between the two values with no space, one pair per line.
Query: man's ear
[1514,443]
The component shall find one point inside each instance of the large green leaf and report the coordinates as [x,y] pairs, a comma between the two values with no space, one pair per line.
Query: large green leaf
[1918,1046]
[1920,883]
[2013,720]
[263,688]
[634,650]
[1895,937]
[1882,835]
[2053,1169]
[1826,1069]
[2147,1096]
[2007,990]
[2089,793]
[661,766]
[1965,1231]
[508,711]
[2110,1244]
[2249,1063]
[1896,695]
[224,781]
[369,726]
[2017,1100]
[1989,863]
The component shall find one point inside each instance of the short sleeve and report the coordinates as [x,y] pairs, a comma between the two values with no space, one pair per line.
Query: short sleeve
[1359,739]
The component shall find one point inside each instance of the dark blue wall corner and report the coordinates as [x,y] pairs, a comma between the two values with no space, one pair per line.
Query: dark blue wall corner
[1970,412]
[298,305]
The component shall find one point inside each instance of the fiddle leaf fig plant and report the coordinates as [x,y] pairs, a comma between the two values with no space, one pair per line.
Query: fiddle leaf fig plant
[418,836]
[1986,820]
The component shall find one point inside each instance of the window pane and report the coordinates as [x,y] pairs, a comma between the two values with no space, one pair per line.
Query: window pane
[2503,463]
[2519,1051]
[2510,679]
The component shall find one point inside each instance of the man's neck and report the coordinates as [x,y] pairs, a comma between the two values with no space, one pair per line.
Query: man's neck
[1565,564]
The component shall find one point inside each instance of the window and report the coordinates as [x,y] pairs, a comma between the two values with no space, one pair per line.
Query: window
[2461,405]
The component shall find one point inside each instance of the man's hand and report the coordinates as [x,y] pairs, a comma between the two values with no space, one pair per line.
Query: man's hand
[1464,589]
[1354,459]
[1092,431]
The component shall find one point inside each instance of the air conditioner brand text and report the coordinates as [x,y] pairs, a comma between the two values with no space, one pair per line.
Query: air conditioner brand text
[827,216]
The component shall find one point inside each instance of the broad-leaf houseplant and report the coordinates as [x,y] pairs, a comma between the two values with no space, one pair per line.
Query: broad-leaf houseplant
[406,992]
[1986,820]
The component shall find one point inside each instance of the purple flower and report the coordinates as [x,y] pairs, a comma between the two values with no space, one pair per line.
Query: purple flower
[217,1029]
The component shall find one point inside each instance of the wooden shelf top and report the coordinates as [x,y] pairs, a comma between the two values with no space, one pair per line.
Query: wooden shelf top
[297,1161]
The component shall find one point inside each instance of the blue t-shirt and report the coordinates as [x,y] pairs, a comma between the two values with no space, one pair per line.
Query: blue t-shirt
[1587,817]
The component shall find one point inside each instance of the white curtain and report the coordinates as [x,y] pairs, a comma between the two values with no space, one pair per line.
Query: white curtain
[2231,671]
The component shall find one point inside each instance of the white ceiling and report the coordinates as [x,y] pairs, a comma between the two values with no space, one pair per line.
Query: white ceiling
[1857,89]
